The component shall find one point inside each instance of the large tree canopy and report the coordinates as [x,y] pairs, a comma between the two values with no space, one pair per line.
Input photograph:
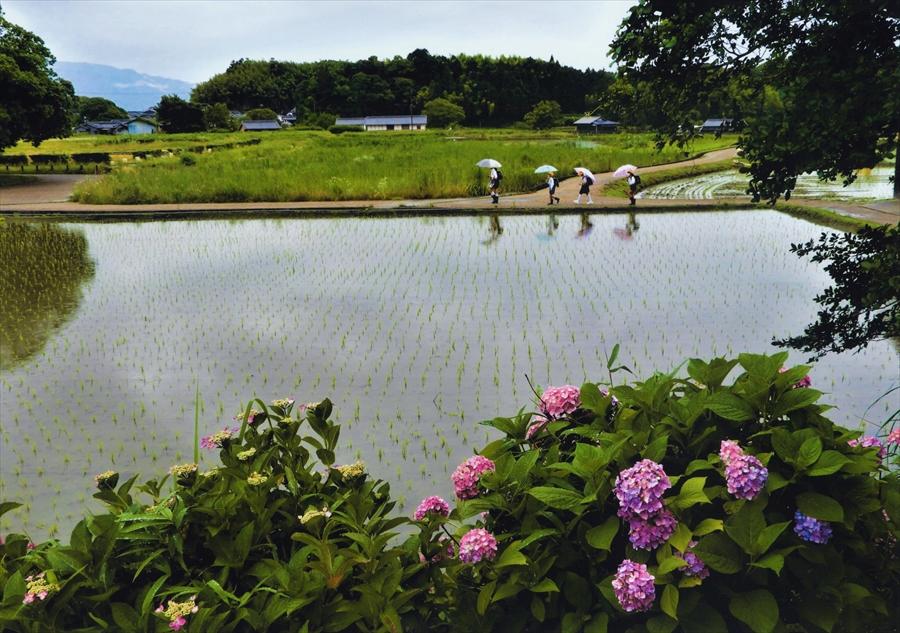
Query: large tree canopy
[815,81]
[35,104]
[97,109]
[489,89]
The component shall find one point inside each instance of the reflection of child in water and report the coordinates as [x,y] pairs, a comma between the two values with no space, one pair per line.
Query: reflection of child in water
[632,225]
[586,226]
[552,225]
[495,229]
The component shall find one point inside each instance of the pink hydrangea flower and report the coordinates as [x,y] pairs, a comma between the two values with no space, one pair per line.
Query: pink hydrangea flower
[177,623]
[869,441]
[432,505]
[633,586]
[745,476]
[559,401]
[653,532]
[729,450]
[539,425]
[640,488]
[806,381]
[466,476]
[893,438]
[477,545]
[217,439]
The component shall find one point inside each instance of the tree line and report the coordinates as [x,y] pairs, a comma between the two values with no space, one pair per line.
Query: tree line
[489,90]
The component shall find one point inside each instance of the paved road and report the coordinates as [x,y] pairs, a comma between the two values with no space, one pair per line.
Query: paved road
[51,192]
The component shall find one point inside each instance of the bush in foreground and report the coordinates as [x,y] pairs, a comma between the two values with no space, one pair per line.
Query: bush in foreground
[667,505]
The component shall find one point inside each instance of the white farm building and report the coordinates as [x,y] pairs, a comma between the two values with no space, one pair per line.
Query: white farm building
[380,123]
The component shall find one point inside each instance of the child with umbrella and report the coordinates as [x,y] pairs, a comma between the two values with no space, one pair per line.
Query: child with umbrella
[552,180]
[587,179]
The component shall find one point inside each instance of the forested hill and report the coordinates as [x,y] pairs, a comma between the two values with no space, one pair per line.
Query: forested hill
[490,90]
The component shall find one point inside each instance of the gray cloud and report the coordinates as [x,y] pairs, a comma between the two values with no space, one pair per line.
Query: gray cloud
[192,40]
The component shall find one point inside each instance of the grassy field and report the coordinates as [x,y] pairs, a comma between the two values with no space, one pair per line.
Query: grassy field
[308,165]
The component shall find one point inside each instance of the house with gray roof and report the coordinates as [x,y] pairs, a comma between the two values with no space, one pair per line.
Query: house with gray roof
[381,123]
[134,125]
[718,126]
[595,125]
[260,126]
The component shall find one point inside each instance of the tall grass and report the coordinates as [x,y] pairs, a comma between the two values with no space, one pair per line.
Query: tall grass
[298,166]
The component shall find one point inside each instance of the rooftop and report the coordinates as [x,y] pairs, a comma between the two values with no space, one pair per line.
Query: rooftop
[267,124]
[393,119]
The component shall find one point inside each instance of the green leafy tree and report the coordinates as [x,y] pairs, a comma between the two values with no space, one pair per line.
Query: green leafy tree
[443,113]
[177,115]
[218,117]
[814,80]
[863,305]
[35,104]
[97,109]
[260,114]
[544,115]
[491,90]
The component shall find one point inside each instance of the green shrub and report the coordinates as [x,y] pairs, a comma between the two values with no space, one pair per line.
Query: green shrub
[279,539]
[91,157]
[187,160]
[340,129]
[14,161]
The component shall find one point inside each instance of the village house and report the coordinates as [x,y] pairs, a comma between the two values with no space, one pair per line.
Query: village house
[260,126]
[595,125]
[134,125]
[717,126]
[381,123]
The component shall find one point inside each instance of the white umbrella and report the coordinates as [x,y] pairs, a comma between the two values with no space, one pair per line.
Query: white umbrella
[584,171]
[622,171]
[546,169]
[488,162]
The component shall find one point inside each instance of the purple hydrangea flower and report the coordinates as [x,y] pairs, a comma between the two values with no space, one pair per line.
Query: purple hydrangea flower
[559,401]
[640,488]
[633,586]
[745,476]
[870,441]
[466,476]
[653,532]
[810,529]
[477,545]
[695,567]
[432,505]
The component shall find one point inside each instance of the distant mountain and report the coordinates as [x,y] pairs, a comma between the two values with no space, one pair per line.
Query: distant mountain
[128,88]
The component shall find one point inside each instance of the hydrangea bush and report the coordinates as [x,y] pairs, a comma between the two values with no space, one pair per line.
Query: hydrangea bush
[671,504]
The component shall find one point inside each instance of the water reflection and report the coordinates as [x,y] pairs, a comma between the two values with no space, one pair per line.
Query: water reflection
[495,230]
[44,268]
[586,226]
[631,226]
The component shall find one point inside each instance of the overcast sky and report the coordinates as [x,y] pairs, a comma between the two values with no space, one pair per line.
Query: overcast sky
[194,39]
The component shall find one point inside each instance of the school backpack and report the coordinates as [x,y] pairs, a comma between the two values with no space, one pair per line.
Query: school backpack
[499,175]
[637,181]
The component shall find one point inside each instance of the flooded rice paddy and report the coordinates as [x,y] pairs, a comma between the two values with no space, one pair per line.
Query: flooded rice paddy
[871,184]
[416,328]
